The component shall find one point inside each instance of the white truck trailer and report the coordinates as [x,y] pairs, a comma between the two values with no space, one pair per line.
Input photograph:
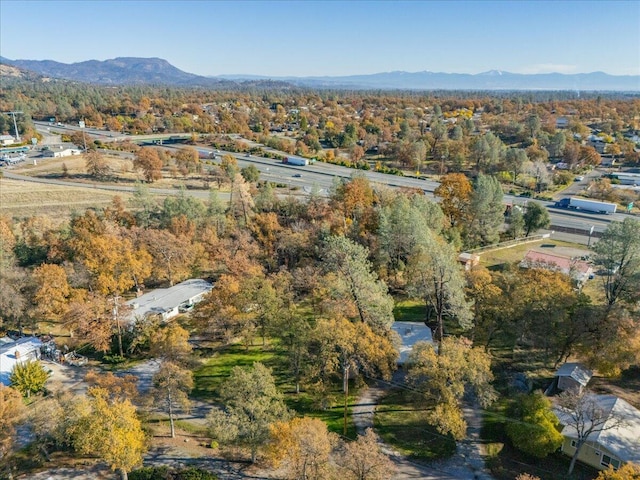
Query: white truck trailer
[587,205]
[299,161]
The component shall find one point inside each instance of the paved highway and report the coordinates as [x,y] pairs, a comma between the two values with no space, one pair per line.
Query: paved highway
[322,176]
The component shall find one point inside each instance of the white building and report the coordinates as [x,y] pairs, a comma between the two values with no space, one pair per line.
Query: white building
[14,352]
[66,152]
[169,302]
[7,140]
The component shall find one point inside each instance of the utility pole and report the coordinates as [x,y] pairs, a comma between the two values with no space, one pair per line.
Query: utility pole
[116,318]
[15,125]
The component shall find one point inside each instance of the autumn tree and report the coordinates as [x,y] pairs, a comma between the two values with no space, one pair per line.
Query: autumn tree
[188,160]
[11,411]
[363,459]
[147,160]
[173,256]
[52,291]
[339,346]
[120,387]
[107,428]
[96,164]
[301,447]
[535,427]
[29,377]
[455,191]
[443,374]
[628,471]
[252,403]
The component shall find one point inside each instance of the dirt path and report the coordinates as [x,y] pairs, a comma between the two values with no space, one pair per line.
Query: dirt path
[466,464]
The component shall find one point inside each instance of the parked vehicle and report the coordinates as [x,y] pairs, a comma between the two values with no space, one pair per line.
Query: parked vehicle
[587,205]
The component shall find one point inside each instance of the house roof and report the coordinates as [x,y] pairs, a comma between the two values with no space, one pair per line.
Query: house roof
[565,265]
[576,371]
[23,346]
[622,440]
[164,300]
[410,333]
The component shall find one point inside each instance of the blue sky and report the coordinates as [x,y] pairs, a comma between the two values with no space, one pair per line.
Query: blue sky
[305,38]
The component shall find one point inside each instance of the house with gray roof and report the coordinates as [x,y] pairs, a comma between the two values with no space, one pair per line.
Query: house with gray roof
[573,376]
[169,302]
[618,442]
[15,352]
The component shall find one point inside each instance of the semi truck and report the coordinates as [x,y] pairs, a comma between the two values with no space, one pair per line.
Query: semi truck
[587,205]
[299,161]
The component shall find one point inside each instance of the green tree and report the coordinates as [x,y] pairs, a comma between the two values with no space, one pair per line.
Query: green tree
[535,429]
[486,212]
[443,376]
[618,253]
[516,223]
[535,218]
[29,377]
[435,276]
[144,204]
[251,174]
[402,225]
[357,283]
[252,403]
[171,387]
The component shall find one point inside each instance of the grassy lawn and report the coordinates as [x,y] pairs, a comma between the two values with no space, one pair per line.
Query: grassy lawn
[405,428]
[495,258]
[215,369]
[408,311]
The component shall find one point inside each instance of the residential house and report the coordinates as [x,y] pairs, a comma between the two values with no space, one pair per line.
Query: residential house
[562,122]
[576,269]
[15,352]
[169,302]
[572,376]
[617,443]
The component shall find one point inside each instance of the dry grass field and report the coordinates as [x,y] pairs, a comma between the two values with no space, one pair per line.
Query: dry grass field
[20,199]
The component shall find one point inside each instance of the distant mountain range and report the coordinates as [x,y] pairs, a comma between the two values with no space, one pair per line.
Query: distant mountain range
[136,71]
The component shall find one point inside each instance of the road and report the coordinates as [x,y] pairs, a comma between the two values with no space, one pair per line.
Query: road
[322,176]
